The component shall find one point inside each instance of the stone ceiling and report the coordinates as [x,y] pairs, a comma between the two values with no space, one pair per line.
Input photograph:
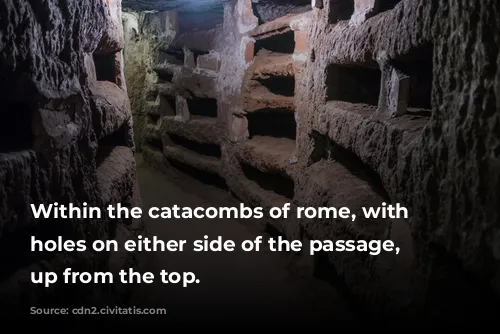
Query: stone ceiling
[196,5]
[162,5]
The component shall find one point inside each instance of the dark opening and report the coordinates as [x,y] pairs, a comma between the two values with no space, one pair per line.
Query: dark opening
[325,148]
[167,105]
[16,133]
[281,43]
[197,53]
[105,67]
[153,118]
[280,85]
[155,143]
[172,56]
[340,10]
[19,243]
[211,150]
[354,84]
[277,183]
[273,123]
[106,144]
[151,96]
[206,107]
[164,76]
[387,4]
[202,176]
[418,65]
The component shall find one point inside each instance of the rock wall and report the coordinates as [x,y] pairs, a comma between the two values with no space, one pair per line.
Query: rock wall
[145,35]
[352,103]
[66,137]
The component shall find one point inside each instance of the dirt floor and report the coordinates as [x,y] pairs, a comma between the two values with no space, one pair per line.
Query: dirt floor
[234,286]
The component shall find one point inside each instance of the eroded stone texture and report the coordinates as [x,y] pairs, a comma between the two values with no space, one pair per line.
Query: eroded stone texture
[355,104]
[52,148]
[112,39]
[145,35]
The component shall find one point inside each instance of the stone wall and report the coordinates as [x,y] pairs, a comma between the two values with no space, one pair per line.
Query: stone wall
[145,35]
[351,103]
[66,137]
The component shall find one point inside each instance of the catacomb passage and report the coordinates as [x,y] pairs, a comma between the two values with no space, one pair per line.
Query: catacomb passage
[332,103]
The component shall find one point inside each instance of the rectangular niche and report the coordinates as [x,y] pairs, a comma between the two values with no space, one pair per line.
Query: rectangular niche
[205,107]
[279,85]
[167,106]
[324,148]
[358,84]
[16,132]
[206,149]
[153,118]
[277,183]
[164,75]
[278,123]
[384,5]
[197,53]
[154,143]
[340,10]
[151,95]
[199,175]
[279,43]
[417,65]
[107,143]
[172,56]
[105,67]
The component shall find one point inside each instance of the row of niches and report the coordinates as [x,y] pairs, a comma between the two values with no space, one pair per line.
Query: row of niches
[272,136]
[185,135]
[402,87]
[164,103]
[269,102]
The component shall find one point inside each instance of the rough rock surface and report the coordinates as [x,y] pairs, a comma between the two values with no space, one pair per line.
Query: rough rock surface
[55,132]
[143,33]
[312,112]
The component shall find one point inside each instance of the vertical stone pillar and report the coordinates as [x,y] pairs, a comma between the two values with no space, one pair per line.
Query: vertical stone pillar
[189,61]
[239,128]
[301,42]
[182,112]
[399,92]
[299,26]
[120,70]
[395,92]
[245,16]
[248,49]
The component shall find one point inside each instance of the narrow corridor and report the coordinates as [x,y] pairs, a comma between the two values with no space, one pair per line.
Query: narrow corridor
[254,286]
